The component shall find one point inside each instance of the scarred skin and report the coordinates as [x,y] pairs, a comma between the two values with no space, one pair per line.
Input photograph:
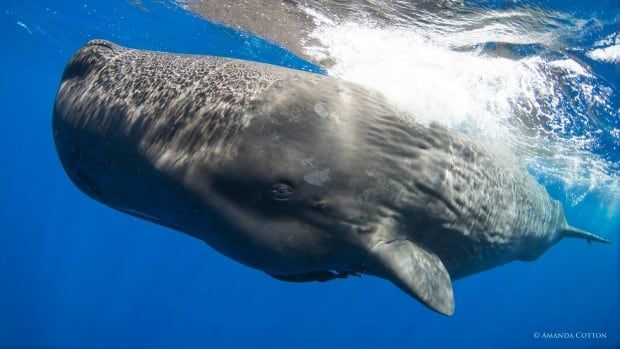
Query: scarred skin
[303,176]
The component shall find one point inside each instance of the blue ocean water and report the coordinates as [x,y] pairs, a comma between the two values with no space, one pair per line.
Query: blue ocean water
[76,274]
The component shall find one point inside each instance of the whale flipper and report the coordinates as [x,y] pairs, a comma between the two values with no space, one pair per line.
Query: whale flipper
[416,271]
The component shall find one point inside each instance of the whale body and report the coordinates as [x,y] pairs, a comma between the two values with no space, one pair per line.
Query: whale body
[303,176]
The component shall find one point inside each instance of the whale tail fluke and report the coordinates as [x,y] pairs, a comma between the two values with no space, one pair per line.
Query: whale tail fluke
[573,232]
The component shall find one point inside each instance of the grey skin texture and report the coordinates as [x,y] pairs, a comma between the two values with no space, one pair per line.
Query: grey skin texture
[300,175]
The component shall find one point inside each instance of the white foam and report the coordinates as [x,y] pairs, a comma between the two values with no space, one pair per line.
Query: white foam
[570,66]
[516,102]
[610,54]
[431,81]
[608,40]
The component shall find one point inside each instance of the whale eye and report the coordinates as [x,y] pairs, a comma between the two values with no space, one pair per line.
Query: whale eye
[281,191]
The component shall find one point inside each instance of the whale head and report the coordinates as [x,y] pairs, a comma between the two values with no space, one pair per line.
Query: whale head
[261,171]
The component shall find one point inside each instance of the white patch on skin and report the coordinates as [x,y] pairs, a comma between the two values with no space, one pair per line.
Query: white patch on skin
[168,159]
[293,118]
[318,177]
[320,110]
[308,162]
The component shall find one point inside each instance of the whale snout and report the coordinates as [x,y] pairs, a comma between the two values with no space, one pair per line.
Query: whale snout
[92,55]
[77,144]
[100,43]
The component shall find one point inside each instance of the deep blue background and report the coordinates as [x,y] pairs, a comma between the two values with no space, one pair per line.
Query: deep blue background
[74,273]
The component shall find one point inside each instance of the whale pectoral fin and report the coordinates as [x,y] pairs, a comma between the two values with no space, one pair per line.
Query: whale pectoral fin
[416,271]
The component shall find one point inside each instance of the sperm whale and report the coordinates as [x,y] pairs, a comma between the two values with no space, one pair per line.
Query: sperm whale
[303,176]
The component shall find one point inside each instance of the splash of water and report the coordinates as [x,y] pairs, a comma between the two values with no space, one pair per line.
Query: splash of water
[607,49]
[501,75]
